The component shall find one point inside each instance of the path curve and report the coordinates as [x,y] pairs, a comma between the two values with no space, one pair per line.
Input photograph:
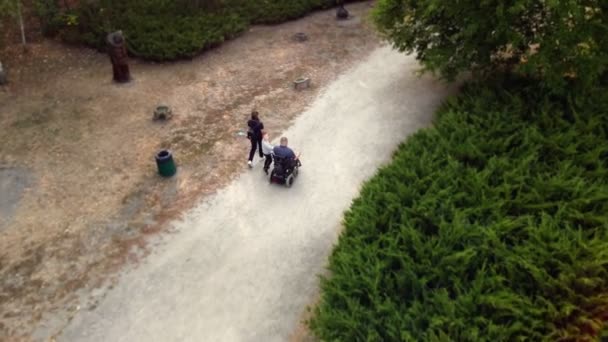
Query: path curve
[243,264]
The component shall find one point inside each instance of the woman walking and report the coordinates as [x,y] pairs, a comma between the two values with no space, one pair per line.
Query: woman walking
[267,151]
[255,135]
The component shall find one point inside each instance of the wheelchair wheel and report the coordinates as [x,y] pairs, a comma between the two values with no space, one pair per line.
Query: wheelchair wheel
[295,171]
[289,181]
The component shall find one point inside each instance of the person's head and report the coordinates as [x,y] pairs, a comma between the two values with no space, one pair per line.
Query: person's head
[255,115]
[284,141]
[265,135]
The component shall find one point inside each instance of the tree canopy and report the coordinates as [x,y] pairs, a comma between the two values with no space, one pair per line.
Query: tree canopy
[549,39]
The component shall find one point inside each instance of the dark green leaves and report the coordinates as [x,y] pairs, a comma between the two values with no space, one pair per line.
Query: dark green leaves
[551,40]
[491,226]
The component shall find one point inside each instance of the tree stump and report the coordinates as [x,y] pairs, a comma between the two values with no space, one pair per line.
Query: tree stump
[117,48]
[341,13]
[300,37]
[301,83]
[162,112]
[3,80]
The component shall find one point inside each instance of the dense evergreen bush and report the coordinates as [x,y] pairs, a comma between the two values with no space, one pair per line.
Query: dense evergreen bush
[490,226]
[272,12]
[166,29]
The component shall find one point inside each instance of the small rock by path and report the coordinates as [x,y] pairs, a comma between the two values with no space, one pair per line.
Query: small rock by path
[243,264]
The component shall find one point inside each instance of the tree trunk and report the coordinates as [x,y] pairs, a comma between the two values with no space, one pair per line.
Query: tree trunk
[2,75]
[22,26]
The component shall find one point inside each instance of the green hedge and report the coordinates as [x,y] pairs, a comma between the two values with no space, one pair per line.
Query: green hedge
[272,12]
[165,29]
[490,226]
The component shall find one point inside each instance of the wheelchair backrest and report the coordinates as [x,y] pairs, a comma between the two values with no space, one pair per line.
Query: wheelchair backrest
[283,163]
[279,160]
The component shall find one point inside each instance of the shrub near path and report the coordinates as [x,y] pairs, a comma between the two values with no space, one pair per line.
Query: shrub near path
[491,226]
[166,29]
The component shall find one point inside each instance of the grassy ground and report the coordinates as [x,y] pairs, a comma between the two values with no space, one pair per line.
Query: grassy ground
[492,225]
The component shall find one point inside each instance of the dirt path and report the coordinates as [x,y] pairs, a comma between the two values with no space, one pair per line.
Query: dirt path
[77,175]
[242,265]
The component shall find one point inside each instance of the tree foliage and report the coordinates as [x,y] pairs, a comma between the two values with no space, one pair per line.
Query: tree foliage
[490,226]
[200,4]
[548,39]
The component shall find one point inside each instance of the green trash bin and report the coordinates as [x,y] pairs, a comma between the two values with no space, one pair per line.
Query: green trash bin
[165,163]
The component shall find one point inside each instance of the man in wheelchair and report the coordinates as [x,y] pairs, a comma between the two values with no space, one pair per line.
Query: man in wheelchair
[286,163]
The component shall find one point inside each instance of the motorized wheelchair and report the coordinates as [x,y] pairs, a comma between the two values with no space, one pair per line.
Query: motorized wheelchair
[285,170]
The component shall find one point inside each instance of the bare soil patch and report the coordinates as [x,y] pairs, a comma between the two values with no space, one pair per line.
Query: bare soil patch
[86,146]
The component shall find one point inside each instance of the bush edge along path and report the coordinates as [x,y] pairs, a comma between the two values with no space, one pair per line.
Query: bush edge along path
[490,226]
